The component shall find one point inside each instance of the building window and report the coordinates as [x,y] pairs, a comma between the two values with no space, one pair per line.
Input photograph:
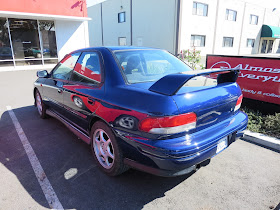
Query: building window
[27,42]
[48,41]
[254,19]
[121,17]
[278,50]
[270,45]
[263,48]
[228,42]
[197,41]
[250,42]
[122,41]
[231,15]
[6,56]
[200,9]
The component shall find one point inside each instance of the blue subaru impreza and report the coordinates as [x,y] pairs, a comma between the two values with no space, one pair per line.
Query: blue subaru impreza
[143,108]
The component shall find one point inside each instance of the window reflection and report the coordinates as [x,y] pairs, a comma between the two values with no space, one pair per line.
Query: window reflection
[47,31]
[5,48]
[65,67]
[88,69]
[25,39]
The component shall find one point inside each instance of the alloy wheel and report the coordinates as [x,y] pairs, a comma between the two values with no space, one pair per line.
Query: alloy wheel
[39,103]
[103,148]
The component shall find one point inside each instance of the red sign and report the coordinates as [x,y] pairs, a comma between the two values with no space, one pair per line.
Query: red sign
[259,78]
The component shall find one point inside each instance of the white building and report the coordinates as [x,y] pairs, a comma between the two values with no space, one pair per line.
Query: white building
[212,26]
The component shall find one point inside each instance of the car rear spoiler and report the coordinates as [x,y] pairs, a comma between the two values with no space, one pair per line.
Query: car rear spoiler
[170,84]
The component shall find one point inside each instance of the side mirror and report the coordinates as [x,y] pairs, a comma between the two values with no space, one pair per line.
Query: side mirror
[42,74]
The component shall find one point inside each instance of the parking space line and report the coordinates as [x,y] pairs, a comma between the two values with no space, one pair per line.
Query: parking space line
[46,186]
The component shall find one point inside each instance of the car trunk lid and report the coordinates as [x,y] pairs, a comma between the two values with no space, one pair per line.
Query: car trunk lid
[211,105]
[210,94]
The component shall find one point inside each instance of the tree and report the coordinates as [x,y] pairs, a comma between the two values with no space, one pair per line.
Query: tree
[192,57]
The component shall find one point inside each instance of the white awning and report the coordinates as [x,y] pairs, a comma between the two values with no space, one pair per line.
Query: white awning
[26,15]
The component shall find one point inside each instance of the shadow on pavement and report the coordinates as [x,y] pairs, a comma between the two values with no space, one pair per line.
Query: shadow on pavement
[71,169]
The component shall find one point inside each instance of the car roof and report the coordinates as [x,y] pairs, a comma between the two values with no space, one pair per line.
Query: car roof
[116,48]
[113,48]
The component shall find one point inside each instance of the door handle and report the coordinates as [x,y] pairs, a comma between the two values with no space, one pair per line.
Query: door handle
[59,90]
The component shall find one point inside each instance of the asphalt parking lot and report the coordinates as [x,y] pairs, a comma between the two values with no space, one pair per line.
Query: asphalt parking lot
[244,176]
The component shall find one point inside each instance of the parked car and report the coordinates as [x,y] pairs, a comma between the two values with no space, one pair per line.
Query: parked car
[5,53]
[143,108]
[33,52]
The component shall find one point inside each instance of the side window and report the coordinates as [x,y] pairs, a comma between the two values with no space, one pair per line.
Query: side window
[64,68]
[88,69]
[131,63]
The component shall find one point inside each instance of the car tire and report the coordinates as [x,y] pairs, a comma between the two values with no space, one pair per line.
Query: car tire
[41,107]
[105,150]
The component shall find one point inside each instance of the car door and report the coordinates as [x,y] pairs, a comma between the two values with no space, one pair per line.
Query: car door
[53,86]
[84,88]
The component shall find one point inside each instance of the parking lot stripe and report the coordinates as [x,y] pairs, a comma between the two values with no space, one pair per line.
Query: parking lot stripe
[46,186]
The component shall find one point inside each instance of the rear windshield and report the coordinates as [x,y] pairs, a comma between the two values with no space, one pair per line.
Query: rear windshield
[149,65]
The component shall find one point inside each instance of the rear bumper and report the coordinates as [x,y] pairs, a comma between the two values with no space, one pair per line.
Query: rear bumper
[177,156]
[158,171]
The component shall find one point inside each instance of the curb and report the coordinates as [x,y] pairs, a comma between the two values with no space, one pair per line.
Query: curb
[263,140]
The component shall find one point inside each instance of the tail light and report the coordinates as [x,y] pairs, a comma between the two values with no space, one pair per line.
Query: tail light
[169,125]
[238,103]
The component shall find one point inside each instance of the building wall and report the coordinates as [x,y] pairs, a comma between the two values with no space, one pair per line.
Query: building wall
[104,28]
[215,26]
[112,30]
[151,26]
[154,23]
[70,36]
[228,28]
[251,31]
[94,26]
[272,17]
[197,25]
